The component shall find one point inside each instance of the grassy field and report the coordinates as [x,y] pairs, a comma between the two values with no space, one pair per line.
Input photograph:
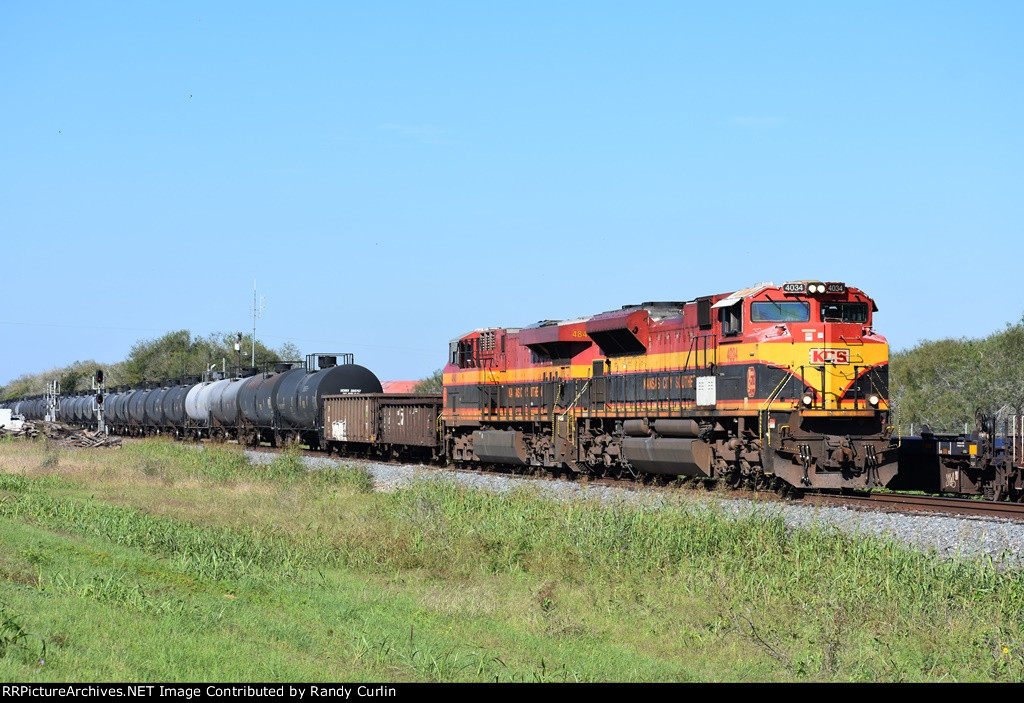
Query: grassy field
[158,562]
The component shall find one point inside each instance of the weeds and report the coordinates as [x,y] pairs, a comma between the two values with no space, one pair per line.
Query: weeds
[172,460]
[51,456]
[14,483]
[208,552]
[449,664]
[355,478]
[287,466]
[116,589]
[14,636]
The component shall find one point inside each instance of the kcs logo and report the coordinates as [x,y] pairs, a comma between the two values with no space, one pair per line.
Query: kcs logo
[830,356]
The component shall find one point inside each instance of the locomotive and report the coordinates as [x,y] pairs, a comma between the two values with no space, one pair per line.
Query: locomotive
[771,383]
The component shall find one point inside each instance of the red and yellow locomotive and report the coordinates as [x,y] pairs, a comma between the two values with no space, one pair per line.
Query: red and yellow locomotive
[786,381]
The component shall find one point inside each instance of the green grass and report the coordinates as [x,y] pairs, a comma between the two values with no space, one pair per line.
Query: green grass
[159,561]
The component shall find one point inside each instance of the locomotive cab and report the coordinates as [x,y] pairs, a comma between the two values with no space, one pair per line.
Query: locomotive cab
[826,340]
[821,335]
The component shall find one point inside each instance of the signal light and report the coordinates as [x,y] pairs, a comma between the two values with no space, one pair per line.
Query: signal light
[99,377]
[99,399]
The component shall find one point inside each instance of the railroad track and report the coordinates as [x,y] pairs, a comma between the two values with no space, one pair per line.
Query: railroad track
[897,502]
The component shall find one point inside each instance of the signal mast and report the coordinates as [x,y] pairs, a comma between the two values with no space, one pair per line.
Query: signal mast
[52,400]
[99,385]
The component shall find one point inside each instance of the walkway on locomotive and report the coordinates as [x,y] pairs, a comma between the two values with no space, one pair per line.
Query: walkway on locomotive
[802,344]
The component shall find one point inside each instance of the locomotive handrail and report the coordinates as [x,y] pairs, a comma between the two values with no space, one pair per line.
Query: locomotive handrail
[822,369]
[692,351]
[766,407]
[575,400]
[570,427]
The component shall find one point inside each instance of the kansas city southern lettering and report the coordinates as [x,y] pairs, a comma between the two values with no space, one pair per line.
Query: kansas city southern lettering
[665,383]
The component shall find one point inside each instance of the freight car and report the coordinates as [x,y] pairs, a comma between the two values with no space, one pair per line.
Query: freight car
[387,425]
[783,383]
[988,462]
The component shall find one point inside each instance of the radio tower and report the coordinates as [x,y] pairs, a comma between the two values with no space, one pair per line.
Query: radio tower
[257,312]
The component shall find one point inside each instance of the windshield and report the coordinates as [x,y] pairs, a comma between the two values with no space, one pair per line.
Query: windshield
[844,312]
[773,311]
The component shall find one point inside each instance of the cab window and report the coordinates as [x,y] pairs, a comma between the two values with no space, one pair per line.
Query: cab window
[464,353]
[731,319]
[780,311]
[844,312]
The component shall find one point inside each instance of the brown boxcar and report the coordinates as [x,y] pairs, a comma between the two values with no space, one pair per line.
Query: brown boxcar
[393,423]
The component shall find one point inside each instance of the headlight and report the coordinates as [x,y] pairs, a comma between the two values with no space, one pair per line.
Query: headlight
[873,400]
[807,399]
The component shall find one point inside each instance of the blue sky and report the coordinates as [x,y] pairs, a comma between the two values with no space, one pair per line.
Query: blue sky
[394,174]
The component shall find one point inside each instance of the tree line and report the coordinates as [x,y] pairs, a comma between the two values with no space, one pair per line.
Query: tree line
[174,355]
[943,383]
